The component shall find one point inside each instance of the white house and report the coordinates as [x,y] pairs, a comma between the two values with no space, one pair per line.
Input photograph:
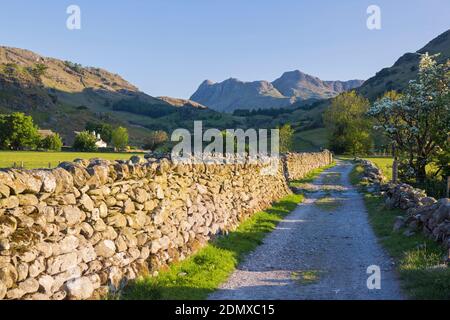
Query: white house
[100,143]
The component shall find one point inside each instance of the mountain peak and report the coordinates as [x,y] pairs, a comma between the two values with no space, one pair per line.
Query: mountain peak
[232,93]
[207,82]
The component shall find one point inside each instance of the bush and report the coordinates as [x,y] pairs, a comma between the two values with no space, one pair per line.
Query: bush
[52,143]
[156,139]
[85,142]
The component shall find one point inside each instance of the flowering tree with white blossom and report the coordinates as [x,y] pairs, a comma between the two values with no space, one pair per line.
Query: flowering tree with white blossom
[418,121]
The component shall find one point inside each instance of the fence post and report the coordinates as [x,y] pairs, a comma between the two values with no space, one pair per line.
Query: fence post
[394,165]
[395,171]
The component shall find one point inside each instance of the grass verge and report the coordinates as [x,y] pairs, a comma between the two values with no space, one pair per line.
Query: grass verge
[419,260]
[199,275]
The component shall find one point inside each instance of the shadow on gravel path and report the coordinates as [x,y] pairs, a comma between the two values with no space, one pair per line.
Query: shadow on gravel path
[320,251]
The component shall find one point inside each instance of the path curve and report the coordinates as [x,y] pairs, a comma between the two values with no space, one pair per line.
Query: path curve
[319,251]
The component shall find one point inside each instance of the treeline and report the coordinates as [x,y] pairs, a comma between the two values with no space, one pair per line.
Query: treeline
[138,106]
[271,112]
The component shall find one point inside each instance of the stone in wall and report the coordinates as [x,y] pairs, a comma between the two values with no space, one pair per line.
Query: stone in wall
[87,227]
[298,165]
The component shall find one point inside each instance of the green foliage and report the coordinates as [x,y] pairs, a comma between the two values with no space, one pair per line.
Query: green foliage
[418,121]
[17,131]
[85,142]
[10,69]
[347,124]
[38,70]
[120,138]
[78,68]
[286,138]
[52,143]
[104,129]
[209,267]
[272,112]
[156,139]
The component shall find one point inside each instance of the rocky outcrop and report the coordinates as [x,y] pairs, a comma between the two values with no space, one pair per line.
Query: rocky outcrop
[423,213]
[233,94]
[86,228]
[303,86]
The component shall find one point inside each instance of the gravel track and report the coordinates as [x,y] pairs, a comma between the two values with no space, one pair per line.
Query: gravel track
[319,251]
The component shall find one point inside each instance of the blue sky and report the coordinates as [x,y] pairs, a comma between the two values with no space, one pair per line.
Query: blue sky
[168,47]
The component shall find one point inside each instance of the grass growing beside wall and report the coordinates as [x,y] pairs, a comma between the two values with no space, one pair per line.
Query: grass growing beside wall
[419,260]
[199,275]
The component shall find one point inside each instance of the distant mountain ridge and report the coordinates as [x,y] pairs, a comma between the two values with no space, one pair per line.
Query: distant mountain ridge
[292,86]
[405,68]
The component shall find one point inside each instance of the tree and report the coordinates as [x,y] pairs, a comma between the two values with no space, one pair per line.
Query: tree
[348,126]
[286,138]
[38,70]
[104,129]
[17,131]
[418,121]
[156,139]
[120,138]
[85,142]
[52,142]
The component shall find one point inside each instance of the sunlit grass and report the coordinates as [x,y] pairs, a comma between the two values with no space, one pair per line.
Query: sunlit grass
[34,160]
[307,277]
[208,268]
[419,260]
[328,203]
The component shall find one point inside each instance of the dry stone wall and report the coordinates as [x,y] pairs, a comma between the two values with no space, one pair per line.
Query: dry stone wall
[84,229]
[298,165]
[423,213]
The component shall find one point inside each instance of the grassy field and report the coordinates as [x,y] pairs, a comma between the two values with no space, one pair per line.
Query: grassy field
[419,260]
[199,275]
[34,160]
[310,140]
[384,164]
